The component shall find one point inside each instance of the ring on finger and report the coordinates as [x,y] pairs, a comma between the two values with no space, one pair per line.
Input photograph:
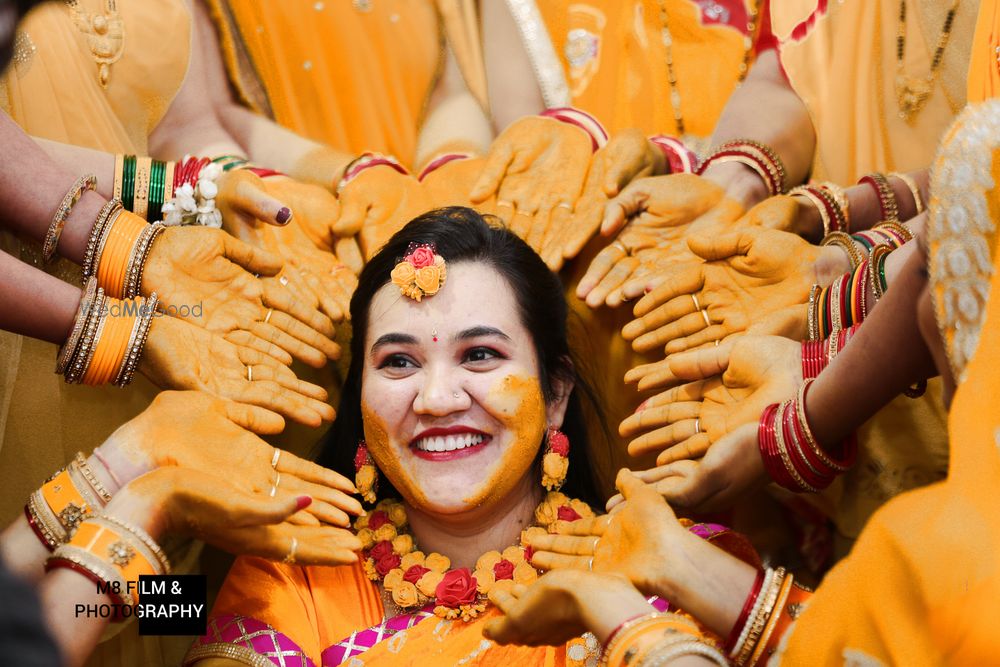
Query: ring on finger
[274,459]
[590,564]
[621,246]
[704,314]
[597,540]
[274,487]
[283,280]
[697,425]
[504,202]
[267,318]
[290,558]
[564,205]
[697,306]
[249,373]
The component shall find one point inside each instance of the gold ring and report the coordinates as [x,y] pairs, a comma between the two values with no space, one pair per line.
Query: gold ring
[697,306]
[504,202]
[716,343]
[267,318]
[290,558]
[597,540]
[277,480]
[565,206]
[697,425]
[274,459]
[621,246]
[249,373]
[704,313]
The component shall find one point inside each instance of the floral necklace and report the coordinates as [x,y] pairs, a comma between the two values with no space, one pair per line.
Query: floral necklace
[415,580]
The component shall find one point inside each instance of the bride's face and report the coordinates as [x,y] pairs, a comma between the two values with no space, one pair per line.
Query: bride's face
[451,395]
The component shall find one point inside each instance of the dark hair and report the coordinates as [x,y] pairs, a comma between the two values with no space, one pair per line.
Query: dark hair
[461,234]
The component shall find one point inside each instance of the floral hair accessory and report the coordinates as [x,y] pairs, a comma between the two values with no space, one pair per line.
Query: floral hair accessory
[421,272]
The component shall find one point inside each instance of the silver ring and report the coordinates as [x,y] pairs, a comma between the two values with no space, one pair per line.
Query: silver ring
[267,318]
[249,373]
[697,306]
[274,487]
[274,459]
[590,564]
[290,558]
[697,425]
[704,313]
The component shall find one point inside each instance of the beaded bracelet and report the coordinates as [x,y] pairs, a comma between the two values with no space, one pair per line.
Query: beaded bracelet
[755,155]
[79,356]
[367,161]
[581,119]
[886,197]
[55,230]
[680,158]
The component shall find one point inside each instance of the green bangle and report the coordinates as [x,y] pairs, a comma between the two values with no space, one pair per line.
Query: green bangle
[128,182]
[156,189]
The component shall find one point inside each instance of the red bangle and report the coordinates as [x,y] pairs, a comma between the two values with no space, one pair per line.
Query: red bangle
[680,158]
[441,161]
[622,625]
[734,634]
[35,529]
[581,119]
[55,563]
[368,161]
[263,173]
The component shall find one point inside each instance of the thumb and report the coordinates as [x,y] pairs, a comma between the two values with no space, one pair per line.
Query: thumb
[353,211]
[250,197]
[254,260]
[628,204]
[714,247]
[628,484]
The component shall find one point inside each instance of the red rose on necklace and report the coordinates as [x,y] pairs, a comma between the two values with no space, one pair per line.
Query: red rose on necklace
[380,550]
[414,573]
[377,520]
[457,587]
[421,257]
[386,564]
[567,513]
[503,570]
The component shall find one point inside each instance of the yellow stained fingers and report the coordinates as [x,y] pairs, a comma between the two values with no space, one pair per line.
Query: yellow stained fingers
[662,438]
[692,448]
[546,560]
[658,416]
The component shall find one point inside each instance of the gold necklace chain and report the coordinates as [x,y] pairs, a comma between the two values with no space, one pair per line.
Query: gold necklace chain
[105,33]
[913,92]
[668,43]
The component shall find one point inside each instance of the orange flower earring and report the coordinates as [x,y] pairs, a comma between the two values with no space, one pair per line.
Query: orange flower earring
[365,474]
[555,462]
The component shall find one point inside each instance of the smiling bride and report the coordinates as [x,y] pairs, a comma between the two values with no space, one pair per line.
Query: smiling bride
[456,418]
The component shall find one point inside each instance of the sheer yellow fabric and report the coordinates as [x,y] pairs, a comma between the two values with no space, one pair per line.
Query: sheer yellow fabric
[54,92]
[316,607]
[844,69]
[920,586]
[354,80]
[615,61]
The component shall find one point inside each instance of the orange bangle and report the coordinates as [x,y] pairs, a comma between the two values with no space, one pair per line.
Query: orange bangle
[795,603]
[647,632]
[115,549]
[113,262]
[65,500]
[772,622]
[113,342]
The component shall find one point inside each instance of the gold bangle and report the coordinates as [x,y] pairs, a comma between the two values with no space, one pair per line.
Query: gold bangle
[911,184]
[119,169]
[140,201]
[840,198]
[813,312]
[82,311]
[88,474]
[886,195]
[760,620]
[897,227]
[845,241]
[55,230]
[155,555]
[824,216]
[772,620]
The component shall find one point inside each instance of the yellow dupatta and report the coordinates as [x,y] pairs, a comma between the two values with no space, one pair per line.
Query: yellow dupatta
[920,586]
[841,61]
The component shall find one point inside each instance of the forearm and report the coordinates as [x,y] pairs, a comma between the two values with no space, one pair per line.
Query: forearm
[707,583]
[766,109]
[35,304]
[885,357]
[61,591]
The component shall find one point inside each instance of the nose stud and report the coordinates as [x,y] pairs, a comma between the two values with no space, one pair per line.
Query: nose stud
[454,394]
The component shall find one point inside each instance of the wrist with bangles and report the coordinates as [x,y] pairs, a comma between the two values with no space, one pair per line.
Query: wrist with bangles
[758,157]
[772,604]
[652,639]
[680,159]
[792,456]
[107,338]
[582,120]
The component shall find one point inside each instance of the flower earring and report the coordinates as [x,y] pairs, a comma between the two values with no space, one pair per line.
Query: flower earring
[555,462]
[365,474]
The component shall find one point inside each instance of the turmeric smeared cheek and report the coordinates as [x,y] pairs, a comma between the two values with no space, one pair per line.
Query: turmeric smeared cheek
[517,403]
[377,440]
